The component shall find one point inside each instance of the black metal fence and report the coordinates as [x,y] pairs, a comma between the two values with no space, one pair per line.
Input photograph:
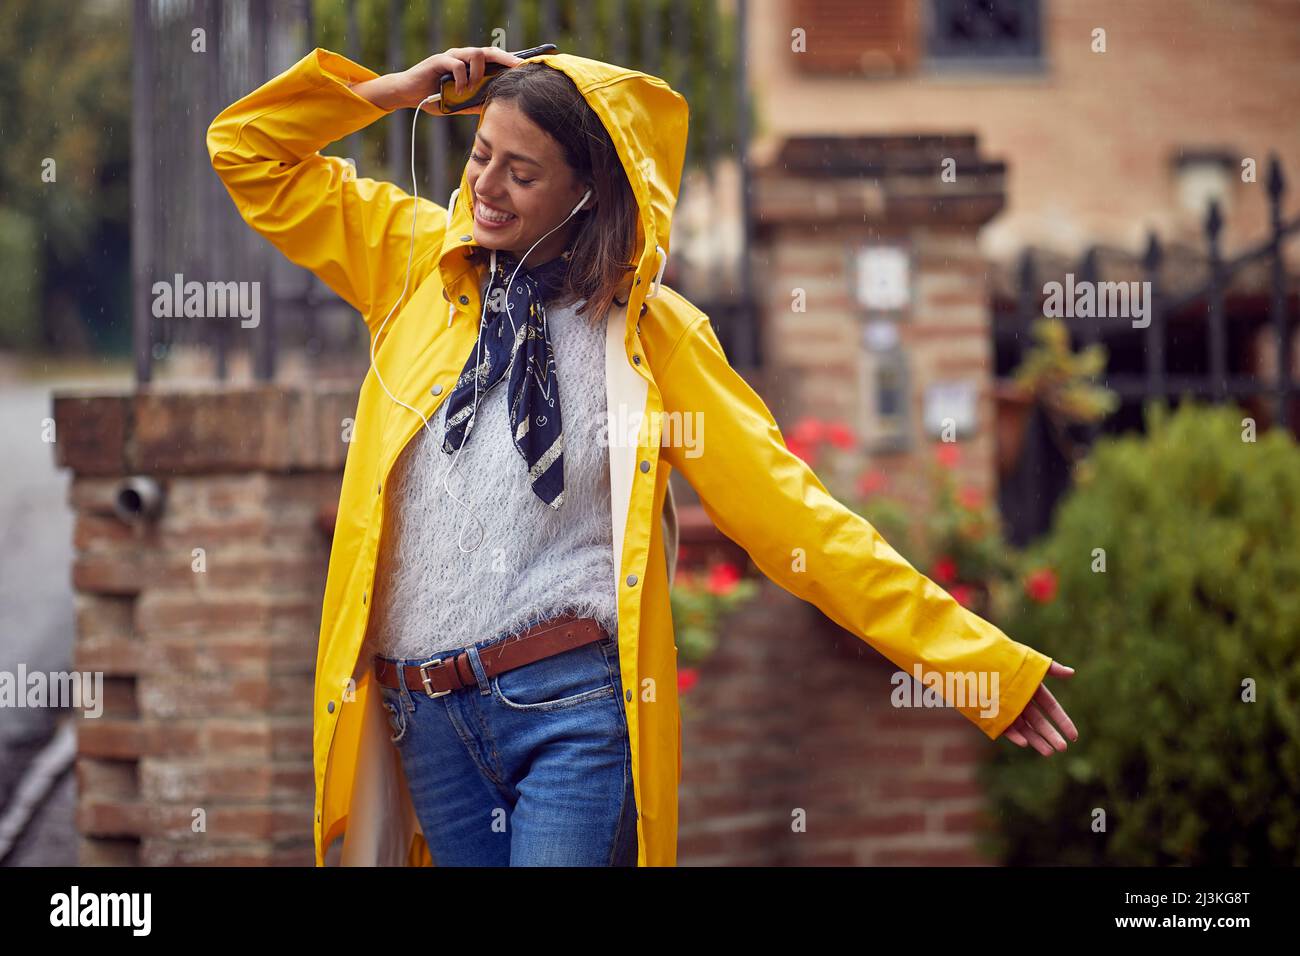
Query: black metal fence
[1205,314]
[194,57]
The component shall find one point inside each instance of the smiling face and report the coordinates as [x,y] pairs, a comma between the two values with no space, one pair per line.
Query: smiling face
[520,173]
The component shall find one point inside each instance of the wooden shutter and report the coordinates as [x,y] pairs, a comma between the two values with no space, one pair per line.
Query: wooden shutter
[858,37]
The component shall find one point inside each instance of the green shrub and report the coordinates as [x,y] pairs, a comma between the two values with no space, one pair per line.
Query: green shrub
[1200,532]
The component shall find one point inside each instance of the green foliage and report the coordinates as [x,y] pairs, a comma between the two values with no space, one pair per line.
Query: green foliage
[699,600]
[584,28]
[1200,593]
[65,92]
[963,527]
[20,279]
[1061,379]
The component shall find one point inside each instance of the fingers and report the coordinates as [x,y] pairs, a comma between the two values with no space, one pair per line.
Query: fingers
[477,63]
[472,63]
[1035,728]
[1055,712]
[1057,669]
[1014,735]
[1031,735]
[457,68]
[1043,726]
[497,55]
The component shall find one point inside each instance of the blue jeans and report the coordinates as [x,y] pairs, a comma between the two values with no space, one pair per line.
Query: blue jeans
[532,767]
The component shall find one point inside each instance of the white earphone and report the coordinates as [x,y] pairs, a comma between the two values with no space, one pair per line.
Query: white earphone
[415,197]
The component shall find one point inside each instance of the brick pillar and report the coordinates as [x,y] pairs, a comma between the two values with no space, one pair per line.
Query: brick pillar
[794,753]
[203,620]
[818,201]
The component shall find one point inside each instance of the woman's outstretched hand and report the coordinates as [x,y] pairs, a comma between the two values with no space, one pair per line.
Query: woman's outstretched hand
[1033,726]
[407,89]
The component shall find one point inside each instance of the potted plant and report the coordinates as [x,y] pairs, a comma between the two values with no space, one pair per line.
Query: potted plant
[1059,383]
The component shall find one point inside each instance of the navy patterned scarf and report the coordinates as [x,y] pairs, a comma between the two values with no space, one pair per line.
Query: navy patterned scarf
[513,338]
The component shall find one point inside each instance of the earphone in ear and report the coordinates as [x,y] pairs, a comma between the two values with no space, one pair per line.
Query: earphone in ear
[415,199]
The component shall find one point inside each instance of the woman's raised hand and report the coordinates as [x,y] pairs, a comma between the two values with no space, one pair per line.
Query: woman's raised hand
[467,64]
[407,89]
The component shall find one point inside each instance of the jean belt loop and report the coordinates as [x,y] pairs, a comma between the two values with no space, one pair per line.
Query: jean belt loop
[484,688]
[403,692]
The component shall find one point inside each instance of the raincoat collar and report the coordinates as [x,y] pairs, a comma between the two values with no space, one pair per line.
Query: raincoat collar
[647,121]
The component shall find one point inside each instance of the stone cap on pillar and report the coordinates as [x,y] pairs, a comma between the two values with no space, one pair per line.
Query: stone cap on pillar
[896,180]
[221,427]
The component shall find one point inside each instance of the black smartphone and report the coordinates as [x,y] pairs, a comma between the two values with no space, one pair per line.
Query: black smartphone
[452,102]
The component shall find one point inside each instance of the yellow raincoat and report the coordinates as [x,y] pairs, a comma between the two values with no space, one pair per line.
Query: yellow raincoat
[663,365]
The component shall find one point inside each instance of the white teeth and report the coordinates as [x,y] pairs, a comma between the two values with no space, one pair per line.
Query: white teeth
[491,216]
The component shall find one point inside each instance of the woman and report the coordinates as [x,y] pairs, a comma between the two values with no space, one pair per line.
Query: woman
[559,229]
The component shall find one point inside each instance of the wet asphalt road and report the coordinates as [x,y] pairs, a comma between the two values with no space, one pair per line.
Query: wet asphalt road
[37,620]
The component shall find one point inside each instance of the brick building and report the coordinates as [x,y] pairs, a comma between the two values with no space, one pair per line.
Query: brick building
[1093,140]
[1080,132]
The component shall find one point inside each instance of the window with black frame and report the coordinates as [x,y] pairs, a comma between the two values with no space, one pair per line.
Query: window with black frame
[984,33]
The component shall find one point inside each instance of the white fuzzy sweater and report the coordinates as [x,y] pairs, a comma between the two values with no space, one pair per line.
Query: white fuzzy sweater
[532,562]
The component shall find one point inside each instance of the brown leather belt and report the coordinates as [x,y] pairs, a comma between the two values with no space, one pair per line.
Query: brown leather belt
[442,675]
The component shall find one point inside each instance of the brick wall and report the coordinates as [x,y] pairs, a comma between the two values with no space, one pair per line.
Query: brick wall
[794,756]
[208,674]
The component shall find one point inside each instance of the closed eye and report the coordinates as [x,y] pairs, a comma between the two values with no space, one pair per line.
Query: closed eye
[475,157]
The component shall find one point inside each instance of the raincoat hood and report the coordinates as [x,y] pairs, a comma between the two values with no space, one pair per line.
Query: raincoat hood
[647,120]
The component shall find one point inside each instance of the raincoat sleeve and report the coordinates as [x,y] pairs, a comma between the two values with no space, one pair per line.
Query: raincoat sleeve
[767,500]
[352,232]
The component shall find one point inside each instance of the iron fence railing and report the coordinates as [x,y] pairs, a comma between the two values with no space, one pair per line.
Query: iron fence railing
[1198,337]
[1205,300]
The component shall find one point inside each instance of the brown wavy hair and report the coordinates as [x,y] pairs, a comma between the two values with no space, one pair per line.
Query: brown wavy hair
[604,237]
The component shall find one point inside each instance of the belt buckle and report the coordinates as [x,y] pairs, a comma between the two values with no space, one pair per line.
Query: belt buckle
[424,677]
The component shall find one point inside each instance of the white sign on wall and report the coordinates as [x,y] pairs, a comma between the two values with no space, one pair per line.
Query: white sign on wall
[950,400]
[884,280]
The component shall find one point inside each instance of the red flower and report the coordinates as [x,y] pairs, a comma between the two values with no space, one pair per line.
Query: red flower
[948,454]
[839,435]
[944,570]
[805,451]
[809,431]
[723,578]
[871,481]
[1040,585]
[683,552]
[963,594]
[686,677]
[971,497]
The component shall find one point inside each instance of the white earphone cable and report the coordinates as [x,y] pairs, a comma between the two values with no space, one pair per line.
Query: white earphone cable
[415,198]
